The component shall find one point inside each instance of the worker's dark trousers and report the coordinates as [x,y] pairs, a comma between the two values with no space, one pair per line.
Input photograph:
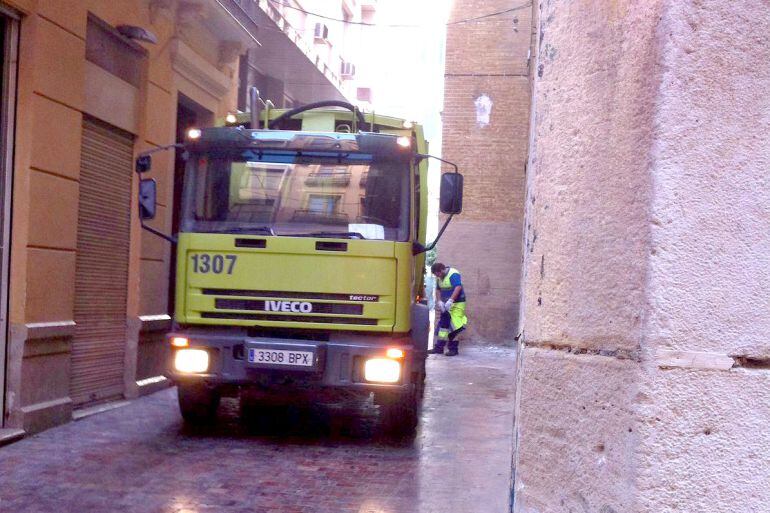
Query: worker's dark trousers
[453,343]
[446,322]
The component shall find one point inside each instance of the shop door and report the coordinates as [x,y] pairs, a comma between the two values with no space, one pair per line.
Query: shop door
[9,39]
[101,274]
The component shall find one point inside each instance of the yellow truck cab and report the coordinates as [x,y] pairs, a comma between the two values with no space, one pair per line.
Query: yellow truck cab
[300,261]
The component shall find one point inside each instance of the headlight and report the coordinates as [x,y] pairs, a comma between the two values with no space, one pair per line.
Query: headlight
[382,370]
[191,360]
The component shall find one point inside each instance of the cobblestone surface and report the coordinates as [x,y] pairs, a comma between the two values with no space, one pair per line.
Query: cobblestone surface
[141,458]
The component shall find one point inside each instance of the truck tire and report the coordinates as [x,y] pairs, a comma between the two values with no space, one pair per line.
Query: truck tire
[197,403]
[400,417]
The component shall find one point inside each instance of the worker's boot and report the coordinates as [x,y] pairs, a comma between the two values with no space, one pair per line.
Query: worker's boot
[453,346]
[438,348]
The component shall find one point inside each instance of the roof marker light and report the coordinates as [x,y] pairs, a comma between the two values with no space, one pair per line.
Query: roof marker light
[194,133]
[408,124]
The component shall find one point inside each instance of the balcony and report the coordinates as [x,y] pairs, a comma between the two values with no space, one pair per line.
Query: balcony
[314,216]
[295,51]
[338,178]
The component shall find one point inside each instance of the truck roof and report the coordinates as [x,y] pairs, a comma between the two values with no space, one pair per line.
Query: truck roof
[327,120]
[375,144]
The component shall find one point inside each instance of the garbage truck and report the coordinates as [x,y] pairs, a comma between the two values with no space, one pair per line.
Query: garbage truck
[300,259]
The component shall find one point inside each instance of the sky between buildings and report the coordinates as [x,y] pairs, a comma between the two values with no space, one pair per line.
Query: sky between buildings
[407,69]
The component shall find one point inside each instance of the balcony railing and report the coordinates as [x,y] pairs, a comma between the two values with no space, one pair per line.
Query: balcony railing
[336,178]
[314,216]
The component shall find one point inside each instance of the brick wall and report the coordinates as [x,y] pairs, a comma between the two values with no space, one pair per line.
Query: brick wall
[488,59]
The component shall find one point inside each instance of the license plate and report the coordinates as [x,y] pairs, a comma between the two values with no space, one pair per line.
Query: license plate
[281,357]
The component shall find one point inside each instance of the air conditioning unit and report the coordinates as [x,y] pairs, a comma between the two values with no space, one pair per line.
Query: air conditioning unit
[348,70]
[321,33]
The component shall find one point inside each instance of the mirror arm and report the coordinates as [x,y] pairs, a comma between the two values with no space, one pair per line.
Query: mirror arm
[171,239]
[418,248]
[162,235]
[161,148]
[422,156]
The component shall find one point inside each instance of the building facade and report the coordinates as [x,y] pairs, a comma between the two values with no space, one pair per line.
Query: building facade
[486,119]
[317,55]
[86,86]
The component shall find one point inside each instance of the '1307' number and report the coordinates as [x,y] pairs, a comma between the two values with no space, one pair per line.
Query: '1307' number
[217,264]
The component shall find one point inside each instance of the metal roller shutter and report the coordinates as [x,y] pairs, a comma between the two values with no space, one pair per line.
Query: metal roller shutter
[101,276]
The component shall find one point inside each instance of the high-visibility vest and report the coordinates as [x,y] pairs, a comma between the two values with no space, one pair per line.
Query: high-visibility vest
[446,288]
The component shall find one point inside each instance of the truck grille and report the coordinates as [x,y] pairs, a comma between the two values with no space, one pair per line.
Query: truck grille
[289,318]
[367,298]
[264,306]
[283,306]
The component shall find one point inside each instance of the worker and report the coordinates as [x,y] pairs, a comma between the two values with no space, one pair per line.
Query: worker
[450,304]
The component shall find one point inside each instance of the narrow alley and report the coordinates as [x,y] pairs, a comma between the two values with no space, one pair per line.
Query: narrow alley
[140,457]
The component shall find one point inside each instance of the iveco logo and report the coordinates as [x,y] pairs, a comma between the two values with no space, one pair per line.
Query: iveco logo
[288,306]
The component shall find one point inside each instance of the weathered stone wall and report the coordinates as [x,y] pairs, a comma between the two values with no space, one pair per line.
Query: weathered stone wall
[487,71]
[644,369]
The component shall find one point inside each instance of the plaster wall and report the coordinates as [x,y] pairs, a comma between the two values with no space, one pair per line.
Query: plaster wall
[487,255]
[485,132]
[642,377]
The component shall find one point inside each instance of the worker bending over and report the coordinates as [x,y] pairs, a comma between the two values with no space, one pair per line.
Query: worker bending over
[450,303]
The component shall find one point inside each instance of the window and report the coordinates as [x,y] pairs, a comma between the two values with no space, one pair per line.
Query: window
[323,204]
[237,192]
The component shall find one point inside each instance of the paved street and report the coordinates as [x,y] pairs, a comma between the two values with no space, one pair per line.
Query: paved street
[140,458]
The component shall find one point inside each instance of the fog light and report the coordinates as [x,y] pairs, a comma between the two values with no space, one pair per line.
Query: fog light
[394,352]
[191,360]
[179,342]
[382,370]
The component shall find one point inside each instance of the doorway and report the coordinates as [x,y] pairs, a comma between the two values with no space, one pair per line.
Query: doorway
[189,114]
[8,62]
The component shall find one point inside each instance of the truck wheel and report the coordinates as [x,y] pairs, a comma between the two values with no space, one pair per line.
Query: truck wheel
[197,402]
[400,417]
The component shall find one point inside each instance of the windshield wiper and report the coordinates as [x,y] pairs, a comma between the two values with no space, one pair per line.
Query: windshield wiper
[333,235]
[245,229]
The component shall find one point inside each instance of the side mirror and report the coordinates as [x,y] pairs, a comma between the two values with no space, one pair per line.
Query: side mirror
[143,163]
[147,198]
[451,195]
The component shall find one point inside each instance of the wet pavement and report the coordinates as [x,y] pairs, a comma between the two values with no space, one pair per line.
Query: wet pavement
[141,458]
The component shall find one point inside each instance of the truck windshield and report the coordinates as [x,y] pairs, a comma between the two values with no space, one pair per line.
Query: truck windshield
[292,195]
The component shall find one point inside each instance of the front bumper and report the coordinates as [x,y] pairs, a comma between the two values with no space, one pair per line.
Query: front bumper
[338,362]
